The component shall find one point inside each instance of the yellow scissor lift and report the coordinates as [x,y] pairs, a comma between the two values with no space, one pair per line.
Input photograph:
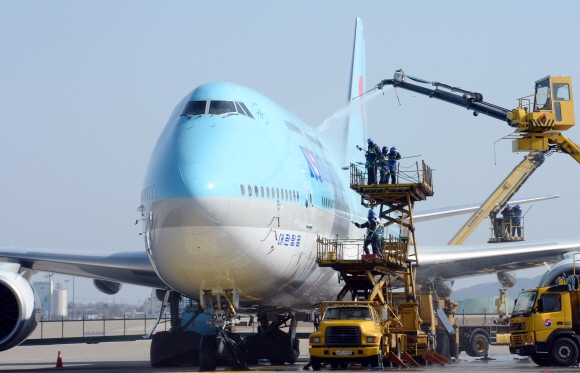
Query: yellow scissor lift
[404,340]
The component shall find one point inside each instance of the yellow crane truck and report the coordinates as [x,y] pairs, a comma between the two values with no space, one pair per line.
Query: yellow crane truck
[538,122]
[545,324]
[372,333]
[349,332]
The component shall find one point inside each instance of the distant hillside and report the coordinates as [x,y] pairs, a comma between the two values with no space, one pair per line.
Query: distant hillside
[481,306]
[491,289]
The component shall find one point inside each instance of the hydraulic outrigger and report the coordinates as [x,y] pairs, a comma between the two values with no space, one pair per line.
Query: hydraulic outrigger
[400,325]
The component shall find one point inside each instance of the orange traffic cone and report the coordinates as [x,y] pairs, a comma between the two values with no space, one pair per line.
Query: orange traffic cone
[59,361]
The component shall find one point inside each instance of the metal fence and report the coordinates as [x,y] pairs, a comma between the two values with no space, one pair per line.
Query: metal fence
[97,327]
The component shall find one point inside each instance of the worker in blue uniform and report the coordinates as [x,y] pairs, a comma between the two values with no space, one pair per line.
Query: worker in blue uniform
[516,221]
[394,156]
[374,232]
[384,166]
[508,214]
[372,156]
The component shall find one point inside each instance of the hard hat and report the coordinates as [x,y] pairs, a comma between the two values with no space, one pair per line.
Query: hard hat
[369,141]
[394,148]
[385,149]
[371,212]
[509,206]
[518,206]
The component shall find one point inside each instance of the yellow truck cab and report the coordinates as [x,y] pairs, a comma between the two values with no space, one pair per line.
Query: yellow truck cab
[348,332]
[544,324]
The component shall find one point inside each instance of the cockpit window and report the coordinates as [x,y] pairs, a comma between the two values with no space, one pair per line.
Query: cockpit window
[221,107]
[194,108]
[246,109]
[216,107]
[240,110]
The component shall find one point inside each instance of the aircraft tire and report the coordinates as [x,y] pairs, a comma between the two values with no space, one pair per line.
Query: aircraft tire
[172,349]
[207,349]
[376,360]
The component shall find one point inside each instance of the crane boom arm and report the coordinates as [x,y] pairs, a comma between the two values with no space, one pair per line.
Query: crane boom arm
[501,195]
[469,100]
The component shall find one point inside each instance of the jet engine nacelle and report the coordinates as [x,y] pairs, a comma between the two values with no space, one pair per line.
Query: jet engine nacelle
[564,268]
[507,279]
[19,307]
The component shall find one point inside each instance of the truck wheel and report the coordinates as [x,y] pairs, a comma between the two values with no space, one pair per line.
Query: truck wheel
[563,352]
[442,347]
[479,345]
[316,363]
[376,360]
[541,359]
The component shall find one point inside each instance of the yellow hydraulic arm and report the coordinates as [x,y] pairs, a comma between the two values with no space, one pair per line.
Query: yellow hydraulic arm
[501,195]
[538,121]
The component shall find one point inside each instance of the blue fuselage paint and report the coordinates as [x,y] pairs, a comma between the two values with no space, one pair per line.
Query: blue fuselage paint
[205,224]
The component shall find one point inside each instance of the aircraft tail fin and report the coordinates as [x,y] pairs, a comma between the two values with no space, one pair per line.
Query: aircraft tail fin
[357,118]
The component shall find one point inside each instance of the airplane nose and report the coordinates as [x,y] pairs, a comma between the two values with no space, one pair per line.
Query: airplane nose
[207,189]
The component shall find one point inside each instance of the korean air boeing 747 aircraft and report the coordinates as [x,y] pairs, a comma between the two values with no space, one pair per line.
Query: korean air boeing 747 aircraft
[236,191]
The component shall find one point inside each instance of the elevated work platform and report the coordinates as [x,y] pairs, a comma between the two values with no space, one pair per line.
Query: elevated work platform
[395,202]
[360,275]
[369,277]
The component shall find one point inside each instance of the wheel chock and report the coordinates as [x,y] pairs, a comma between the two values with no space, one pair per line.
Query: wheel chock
[409,359]
[394,359]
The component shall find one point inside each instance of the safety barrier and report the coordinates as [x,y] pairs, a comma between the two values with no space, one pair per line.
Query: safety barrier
[85,327]
[394,250]
[412,174]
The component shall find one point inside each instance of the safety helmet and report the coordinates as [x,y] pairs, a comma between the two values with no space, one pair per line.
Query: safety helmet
[369,141]
[509,206]
[385,149]
[518,206]
[394,148]
[371,212]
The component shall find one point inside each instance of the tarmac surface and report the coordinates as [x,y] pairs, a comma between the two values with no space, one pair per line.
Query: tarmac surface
[134,357]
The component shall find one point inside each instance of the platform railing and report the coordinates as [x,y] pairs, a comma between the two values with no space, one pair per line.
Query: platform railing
[394,249]
[412,174]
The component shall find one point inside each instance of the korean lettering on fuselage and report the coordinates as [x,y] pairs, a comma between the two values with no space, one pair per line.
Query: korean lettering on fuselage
[287,239]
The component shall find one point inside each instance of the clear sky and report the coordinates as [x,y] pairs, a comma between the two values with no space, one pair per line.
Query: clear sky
[86,87]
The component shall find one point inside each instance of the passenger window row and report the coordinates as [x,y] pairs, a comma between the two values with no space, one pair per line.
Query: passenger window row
[216,107]
[327,202]
[148,193]
[266,192]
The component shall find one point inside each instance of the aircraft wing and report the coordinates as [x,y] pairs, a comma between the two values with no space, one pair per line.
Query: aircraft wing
[448,262]
[446,212]
[129,267]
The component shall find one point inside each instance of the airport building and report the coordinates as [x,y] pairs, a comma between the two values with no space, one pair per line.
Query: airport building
[53,299]
[152,306]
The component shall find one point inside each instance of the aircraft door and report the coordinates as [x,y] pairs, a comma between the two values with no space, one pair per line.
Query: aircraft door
[308,198]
